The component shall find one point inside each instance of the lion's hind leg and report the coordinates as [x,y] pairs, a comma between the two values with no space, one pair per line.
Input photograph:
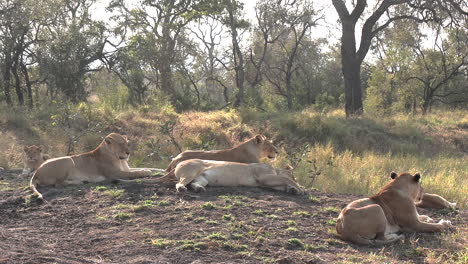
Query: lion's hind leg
[365,225]
[199,184]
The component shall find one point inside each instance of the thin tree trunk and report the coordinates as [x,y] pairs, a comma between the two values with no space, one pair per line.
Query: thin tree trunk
[237,56]
[24,69]
[19,92]
[6,77]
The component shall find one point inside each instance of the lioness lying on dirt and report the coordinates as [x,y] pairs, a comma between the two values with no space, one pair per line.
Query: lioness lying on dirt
[200,173]
[250,151]
[434,201]
[377,219]
[107,161]
[32,159]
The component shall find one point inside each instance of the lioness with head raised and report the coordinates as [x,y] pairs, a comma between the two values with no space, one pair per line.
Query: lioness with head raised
[32,159]
[377,219]
[107,161]
[200,173]
[250,151]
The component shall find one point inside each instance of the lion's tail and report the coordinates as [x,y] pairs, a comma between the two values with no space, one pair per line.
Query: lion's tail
[32,185]
[170,176]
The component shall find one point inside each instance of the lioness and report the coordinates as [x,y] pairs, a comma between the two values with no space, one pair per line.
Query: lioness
[107,161]
[375,220]
[32,159]
[434,201]
[200,173]
[249,151]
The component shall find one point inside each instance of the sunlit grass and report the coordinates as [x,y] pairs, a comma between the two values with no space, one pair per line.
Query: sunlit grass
[346,172]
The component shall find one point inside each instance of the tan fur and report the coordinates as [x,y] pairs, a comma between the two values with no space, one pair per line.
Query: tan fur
[250,151]
[375,220]
[434,201]
[107,161]
[32,159]
[200,173]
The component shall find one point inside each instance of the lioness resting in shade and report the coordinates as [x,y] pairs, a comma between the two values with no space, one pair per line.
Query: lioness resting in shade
[200,173]
[377,219]
[250,151]
[434,201]
[107,161]
[32,159]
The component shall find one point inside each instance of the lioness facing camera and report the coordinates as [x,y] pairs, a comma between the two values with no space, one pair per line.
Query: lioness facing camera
[32,159]
[107,161]
[377,219]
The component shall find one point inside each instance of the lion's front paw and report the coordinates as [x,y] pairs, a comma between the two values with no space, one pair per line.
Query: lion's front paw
[294,190]
[425,218]
[446,223]
[181,188]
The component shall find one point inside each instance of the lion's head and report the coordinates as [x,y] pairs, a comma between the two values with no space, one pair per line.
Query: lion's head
[286,171]
[33,154]
[411,184]
[266,146]
[118,145]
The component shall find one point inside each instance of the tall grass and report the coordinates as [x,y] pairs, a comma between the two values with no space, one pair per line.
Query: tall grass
[366,173]
[328,151]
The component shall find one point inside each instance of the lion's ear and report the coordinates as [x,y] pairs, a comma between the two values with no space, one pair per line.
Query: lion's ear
[417,177]
[258,139]
[125,137]
[393,175]
[40,148]
[26,148]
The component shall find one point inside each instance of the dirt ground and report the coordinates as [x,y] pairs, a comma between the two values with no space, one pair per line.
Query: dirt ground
[145,222]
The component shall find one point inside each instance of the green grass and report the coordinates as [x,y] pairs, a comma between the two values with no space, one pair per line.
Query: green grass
[121,206]
[114,193]
[164,203]
[123,216]
[160,243]
[295,242]
[228,217]
[208,206]
[302,213]
[100,188]
[216,236]
[330,209]
[146,204]
[258,212]
[199,219]
[313,199]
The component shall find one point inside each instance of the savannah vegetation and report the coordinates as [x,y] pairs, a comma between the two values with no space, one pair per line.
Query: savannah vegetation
[177,75]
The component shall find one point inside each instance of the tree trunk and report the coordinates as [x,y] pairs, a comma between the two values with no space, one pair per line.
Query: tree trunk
[166,82]
[24,69]
[237,56]
[353,90]
[19,92]
[351,68]
[6,77]
[289,90]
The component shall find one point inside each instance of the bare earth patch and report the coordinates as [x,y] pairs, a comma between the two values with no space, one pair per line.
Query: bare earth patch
[144,222]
